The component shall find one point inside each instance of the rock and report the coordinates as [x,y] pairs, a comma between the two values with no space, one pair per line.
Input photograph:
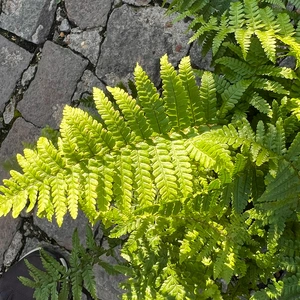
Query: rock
[14,60]
[198,60]
[63,235]
[9,111]
[85,42]
[86,84]
[21,132]
[59,15]
[64,26]
[28,75]
[288,62]
[29,19]
[88,13]
[14,249]
[137,2]
[53,86]
[107,285]
[140,35]
[30,244]
[9,227]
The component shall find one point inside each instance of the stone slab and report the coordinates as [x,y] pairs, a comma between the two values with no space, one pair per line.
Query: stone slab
[29,19]
[86,84]
[140,35]
[88,13]
[9,227]
[63,235]
[85,42]
[13,61]
[53,86]
[20,133]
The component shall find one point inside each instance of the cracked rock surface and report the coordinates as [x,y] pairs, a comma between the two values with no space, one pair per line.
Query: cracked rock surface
[54,54]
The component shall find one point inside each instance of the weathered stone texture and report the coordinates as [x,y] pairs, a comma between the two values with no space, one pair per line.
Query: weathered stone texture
[53,86]
[86,84]
[13,61]
[63,235]
[139,35]
[29,19]
[88,13]
[85,42]
[9,227]
[137,2]
[14,248]
[20,133]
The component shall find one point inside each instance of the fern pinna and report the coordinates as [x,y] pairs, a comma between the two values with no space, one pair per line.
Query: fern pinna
[208,200]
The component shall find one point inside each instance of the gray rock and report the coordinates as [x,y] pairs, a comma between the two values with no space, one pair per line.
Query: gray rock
[9,227]
[198,60]
[13,61]
[29,19]
[30,244]
[13,250]
[85,42]
[53,86]
[59,16]
[108,285]
[288,62]
[137,2]
[139,35]
[63,235]
[86,84]
[28,75]
[9,111]
[88,13]
[21,132]
[64,26]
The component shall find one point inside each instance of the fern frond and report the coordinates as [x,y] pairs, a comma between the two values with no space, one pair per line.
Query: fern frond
[221,35]
[163,170]
[189,83]
[252,14]
[236,15]
[89,280]
[113,120]
[293,153]
[174,96]
[182,166]
[78,129]
[243,37]
[241,191]
[132,112]
[285,25]
[123,180]
[149,99]
[144,186]
[209,26]
[268,42]
[73,190]
[260,103]
[208,98]
[238,66]
[232,95]
[59,200]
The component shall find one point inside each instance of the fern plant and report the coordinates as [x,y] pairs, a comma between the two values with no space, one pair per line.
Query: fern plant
[217,21]
[208,200]
[60,282]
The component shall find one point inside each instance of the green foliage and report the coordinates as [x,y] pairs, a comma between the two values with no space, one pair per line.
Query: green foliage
[59,282]
[202,178]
